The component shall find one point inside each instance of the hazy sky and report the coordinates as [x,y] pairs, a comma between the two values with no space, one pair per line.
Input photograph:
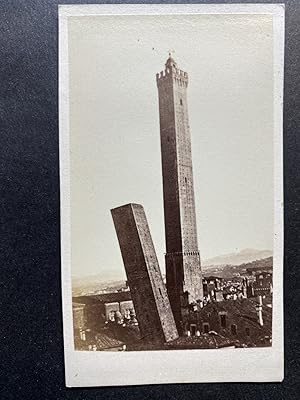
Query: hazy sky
[114,130]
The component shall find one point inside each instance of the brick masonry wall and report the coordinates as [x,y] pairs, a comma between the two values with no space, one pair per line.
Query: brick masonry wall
[151,303]
[248,331]
[79,320]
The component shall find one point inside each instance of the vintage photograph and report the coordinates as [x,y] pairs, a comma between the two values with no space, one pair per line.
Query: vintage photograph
[172,163]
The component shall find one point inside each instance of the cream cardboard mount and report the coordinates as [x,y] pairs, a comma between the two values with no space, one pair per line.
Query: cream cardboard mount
[174,111]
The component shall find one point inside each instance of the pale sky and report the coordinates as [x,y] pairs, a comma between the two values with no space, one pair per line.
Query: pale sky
[114,130]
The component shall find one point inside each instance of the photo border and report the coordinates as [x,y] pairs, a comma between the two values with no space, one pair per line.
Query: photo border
[84,368]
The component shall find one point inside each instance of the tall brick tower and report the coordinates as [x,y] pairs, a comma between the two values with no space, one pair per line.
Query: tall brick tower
[149,295]
[183,266]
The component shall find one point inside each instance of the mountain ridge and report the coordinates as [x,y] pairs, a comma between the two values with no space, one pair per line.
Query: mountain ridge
[244,256]
[238,258]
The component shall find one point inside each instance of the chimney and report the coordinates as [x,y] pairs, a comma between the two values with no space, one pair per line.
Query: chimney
[259,311]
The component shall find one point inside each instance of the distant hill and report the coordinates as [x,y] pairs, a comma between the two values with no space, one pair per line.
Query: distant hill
[93,283]
[225,266]
[228,271]
[238,258]
[265,263]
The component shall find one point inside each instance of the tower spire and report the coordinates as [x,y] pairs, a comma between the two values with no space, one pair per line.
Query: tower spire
[170,61]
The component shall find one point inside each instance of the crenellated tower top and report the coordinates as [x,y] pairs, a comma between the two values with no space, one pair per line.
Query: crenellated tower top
[172,73]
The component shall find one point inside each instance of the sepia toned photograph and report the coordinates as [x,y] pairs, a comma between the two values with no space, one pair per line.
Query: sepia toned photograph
[171,191]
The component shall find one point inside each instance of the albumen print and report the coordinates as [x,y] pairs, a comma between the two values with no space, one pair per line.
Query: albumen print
[171,182]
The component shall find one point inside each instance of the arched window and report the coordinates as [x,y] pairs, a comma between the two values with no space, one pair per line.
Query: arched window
[181,102]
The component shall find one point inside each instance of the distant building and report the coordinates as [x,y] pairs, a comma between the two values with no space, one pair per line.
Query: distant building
[92,312]
[238,320]
[104,322]
[263,283]
[213,288]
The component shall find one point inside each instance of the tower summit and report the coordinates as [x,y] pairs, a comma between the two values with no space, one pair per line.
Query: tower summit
[183,266]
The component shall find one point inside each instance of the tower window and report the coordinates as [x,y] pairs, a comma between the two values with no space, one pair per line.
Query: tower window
[205,327]
[248,331]
[223,320]
[181,102]
[233,329]
[193,329]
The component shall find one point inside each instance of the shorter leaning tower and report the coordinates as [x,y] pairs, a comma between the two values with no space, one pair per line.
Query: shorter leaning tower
[149,295]
[183,267]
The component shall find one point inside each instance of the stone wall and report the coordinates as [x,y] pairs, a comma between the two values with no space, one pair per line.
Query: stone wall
[151,303]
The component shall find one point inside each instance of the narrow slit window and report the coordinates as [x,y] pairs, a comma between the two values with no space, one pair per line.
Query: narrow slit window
[205,327]
[193,329]
[223,320]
